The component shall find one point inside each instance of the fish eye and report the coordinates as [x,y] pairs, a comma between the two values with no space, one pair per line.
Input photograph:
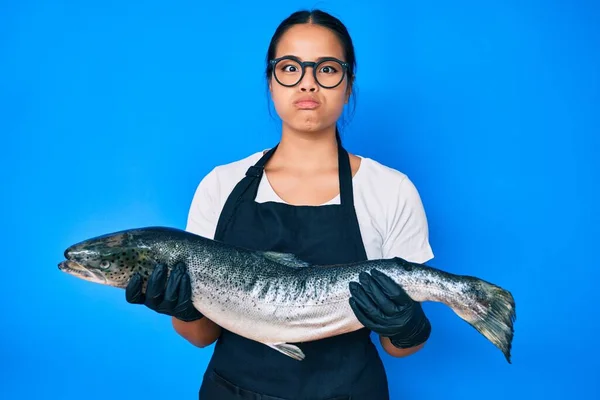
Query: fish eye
[104,264]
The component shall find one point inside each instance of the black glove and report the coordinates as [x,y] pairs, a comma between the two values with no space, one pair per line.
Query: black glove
[170,296]
[383,306]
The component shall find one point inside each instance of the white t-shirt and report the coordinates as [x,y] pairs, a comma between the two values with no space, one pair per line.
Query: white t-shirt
[390,213]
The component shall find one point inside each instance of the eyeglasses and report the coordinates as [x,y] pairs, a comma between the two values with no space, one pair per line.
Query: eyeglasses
[329,72]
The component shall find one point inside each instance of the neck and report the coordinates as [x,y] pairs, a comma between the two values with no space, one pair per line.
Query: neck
[313,150]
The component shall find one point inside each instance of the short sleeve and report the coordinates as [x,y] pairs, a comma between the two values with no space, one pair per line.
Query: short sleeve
[205,208]
[407,233]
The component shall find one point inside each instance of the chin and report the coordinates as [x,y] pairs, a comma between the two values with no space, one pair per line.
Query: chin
[309,125]
[309,129]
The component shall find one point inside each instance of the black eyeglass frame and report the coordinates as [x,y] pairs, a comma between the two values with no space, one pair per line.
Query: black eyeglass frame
[314,65]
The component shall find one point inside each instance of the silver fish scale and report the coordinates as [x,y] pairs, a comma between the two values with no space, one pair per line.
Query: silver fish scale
[249,274]
[427,284]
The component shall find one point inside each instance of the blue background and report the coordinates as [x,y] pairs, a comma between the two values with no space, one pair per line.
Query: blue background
[112,112]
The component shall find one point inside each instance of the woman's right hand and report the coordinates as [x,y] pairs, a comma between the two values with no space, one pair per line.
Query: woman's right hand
[173,296]
[170,296]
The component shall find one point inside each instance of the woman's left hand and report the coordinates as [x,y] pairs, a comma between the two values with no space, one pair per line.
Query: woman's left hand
[382,306]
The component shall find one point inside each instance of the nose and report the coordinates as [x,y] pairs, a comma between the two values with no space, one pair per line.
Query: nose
[308,82]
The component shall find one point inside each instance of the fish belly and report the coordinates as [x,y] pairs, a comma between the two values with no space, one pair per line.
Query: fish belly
[268,322]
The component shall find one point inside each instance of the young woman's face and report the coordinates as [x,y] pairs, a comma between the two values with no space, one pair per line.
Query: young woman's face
[307,106]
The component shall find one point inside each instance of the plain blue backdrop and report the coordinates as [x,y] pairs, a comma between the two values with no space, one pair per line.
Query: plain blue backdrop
[112,112]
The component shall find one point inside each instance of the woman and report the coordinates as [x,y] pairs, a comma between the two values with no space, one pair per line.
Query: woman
[309,197]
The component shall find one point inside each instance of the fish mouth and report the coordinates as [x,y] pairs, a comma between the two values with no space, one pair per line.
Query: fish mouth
[74,268]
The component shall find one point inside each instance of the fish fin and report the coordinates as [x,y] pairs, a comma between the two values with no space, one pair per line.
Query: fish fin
[288,349]
[496,314]
[287,259]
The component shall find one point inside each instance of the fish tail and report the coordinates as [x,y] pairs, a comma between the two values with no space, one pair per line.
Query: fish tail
[493,314]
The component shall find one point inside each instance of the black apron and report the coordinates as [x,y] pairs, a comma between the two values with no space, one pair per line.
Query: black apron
[343,367]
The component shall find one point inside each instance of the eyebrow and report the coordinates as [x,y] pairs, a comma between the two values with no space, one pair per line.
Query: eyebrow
[317,60]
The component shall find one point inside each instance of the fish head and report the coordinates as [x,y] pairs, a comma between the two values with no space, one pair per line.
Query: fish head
[110,259]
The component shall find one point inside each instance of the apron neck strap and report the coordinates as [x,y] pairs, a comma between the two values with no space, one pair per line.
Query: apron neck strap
[345,176]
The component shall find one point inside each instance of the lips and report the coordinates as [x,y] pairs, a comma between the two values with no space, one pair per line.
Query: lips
[306,103]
